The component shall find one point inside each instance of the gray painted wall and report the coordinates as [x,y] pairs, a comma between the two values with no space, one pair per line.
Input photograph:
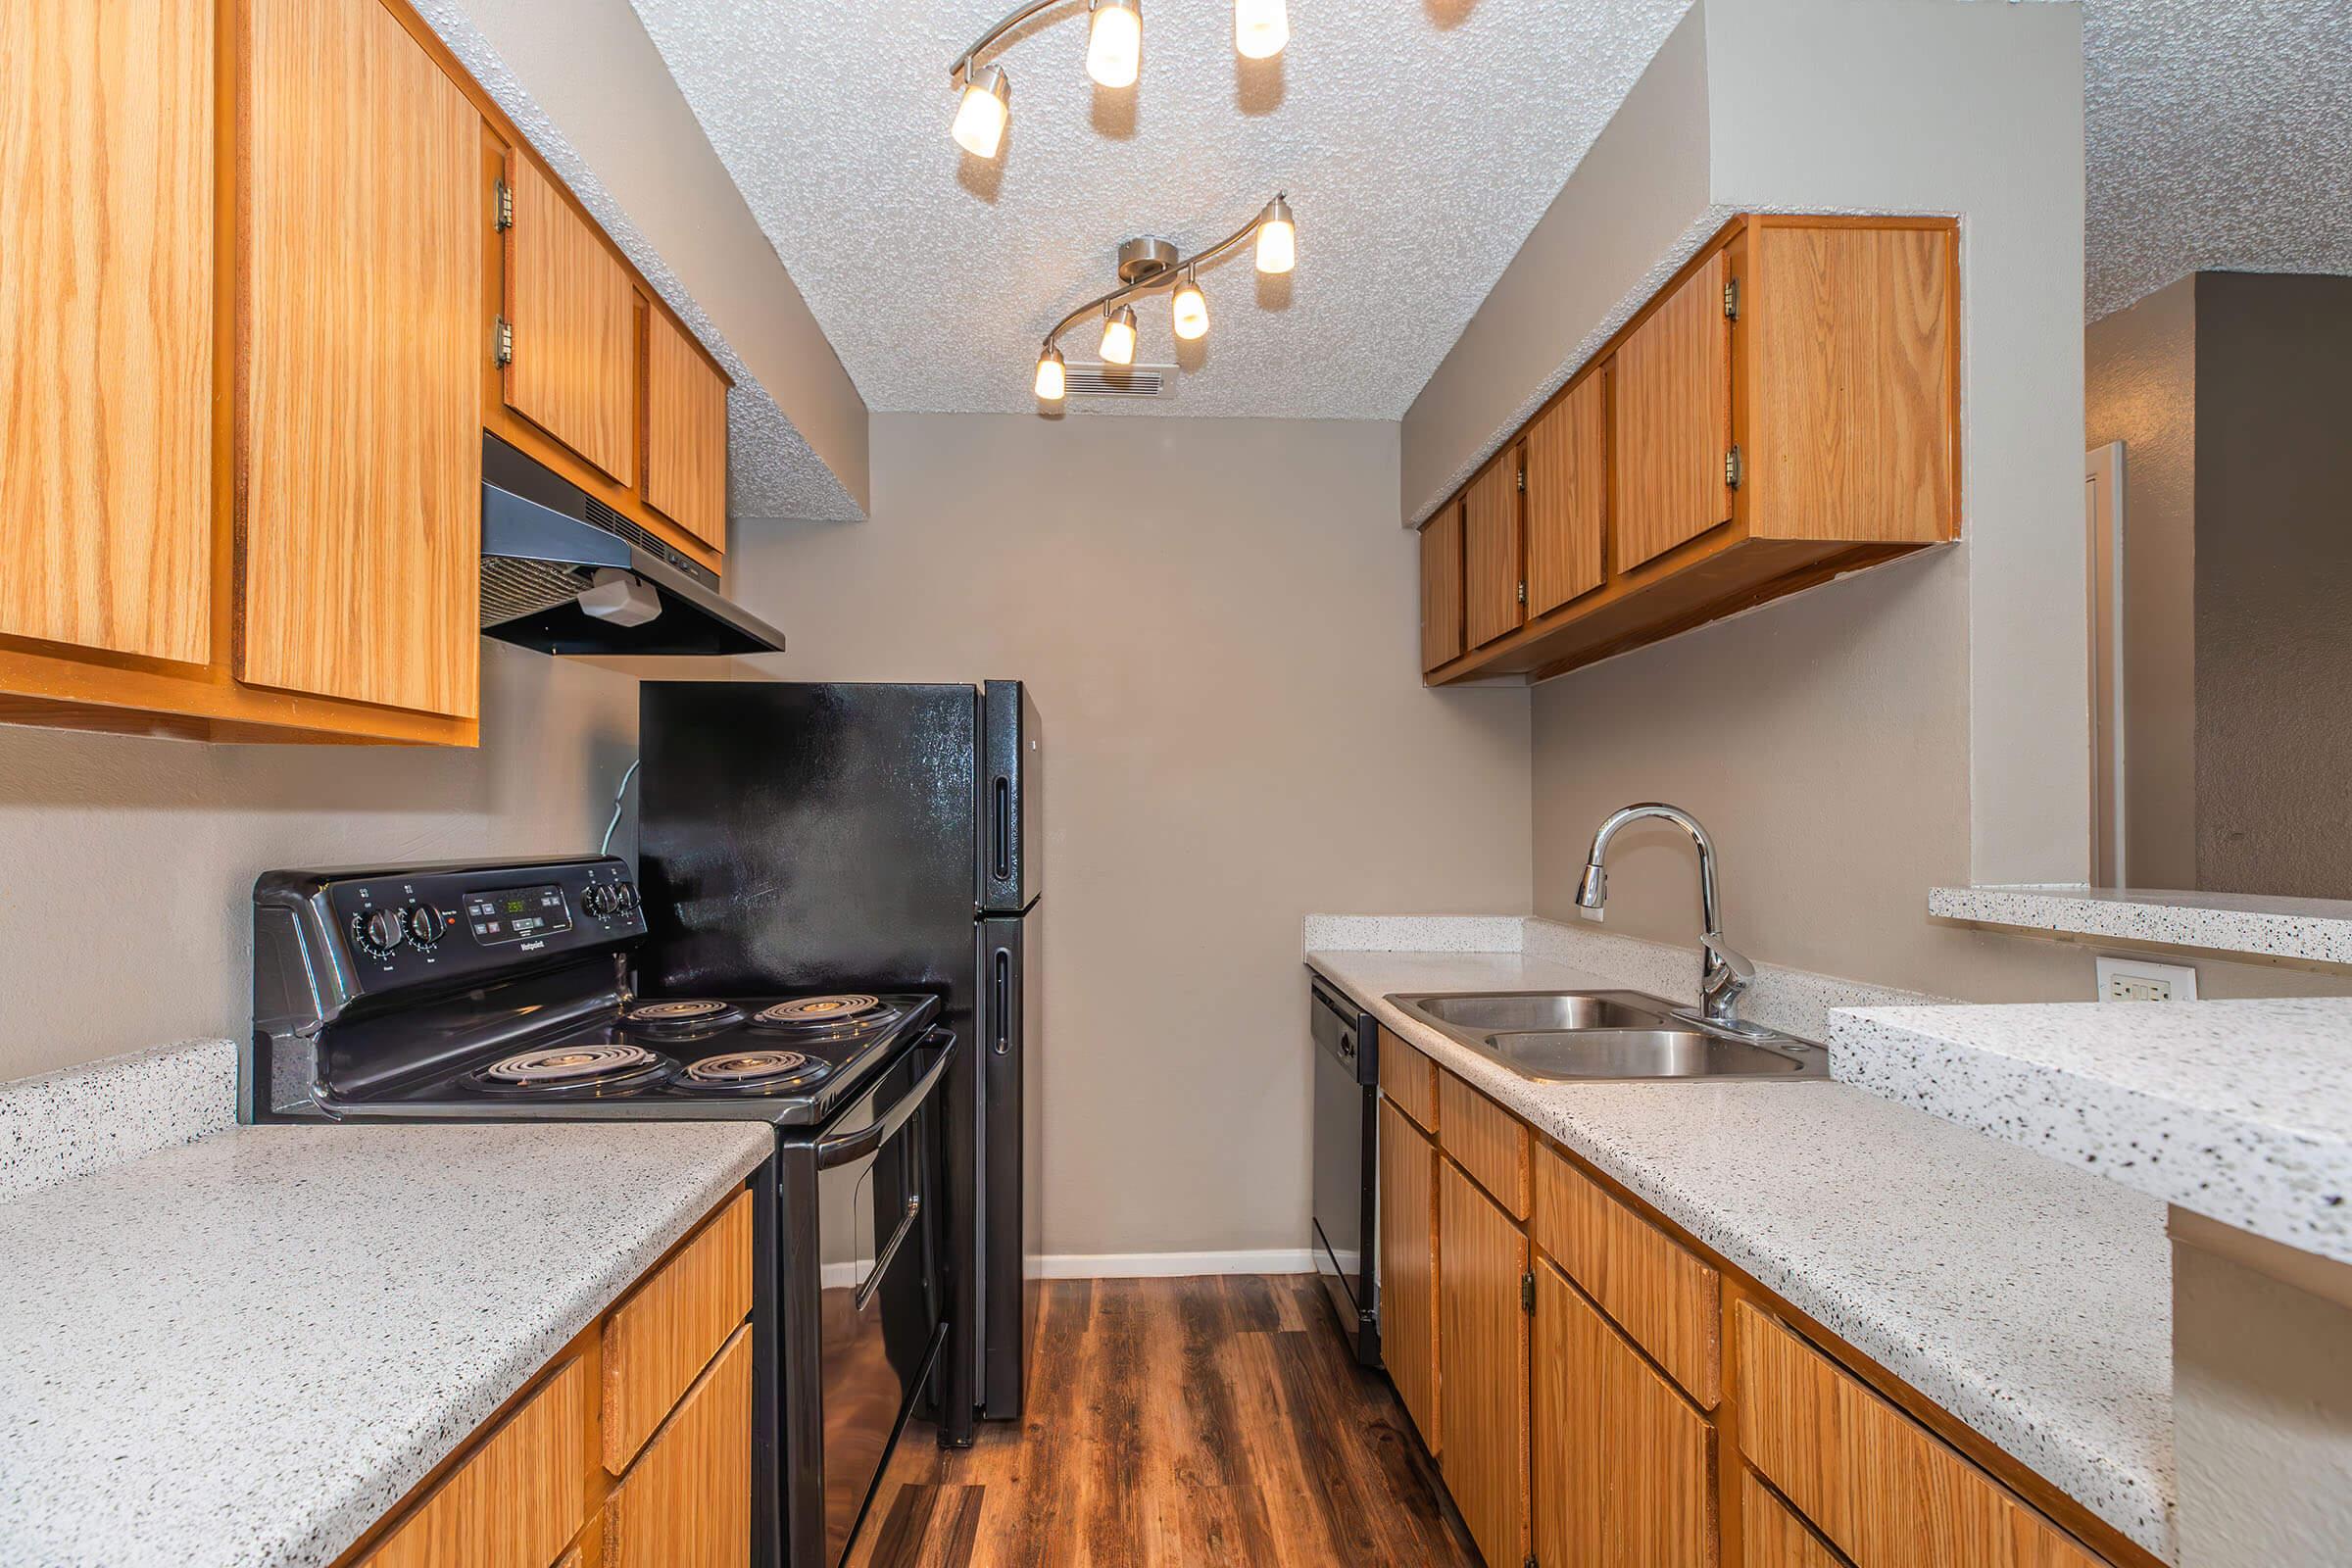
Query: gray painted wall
[2274,597]
[125,917]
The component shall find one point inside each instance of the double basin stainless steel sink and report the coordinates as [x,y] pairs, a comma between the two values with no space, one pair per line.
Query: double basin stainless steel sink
[1567,1035]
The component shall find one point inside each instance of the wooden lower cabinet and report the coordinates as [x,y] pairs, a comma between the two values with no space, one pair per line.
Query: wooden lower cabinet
[1774,1537]
[1482,1364]
[517,1499]
[1601,1392]
[532,1489]
[1878,1486]
[1408,1278]
[1623,1466]
[687,1501]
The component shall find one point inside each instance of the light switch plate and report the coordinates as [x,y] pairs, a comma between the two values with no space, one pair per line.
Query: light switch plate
[2138,980]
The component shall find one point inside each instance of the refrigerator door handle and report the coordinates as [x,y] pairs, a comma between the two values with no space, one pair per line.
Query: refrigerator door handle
[1000,1001]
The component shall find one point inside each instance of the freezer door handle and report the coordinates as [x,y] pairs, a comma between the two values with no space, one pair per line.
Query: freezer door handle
[1001,828]
[1000,996]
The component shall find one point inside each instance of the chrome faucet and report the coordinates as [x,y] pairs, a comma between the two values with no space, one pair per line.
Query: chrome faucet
[1724,973]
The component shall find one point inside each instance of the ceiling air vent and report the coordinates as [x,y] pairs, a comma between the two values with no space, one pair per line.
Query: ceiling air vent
[1121,382]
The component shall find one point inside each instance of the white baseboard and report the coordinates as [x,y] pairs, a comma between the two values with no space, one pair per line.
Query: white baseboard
[1171,1265]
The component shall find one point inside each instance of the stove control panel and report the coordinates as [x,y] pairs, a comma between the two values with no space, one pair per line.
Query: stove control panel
[412,925]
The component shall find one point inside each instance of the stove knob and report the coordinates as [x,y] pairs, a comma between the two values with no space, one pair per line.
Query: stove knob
[626,896]
[597,900]
[425,925]
[379,931]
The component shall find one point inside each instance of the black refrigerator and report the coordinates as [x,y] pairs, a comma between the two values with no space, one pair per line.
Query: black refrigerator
[801,837]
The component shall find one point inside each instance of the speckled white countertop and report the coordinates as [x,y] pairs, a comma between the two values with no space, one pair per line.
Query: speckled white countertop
[2237,1110]
[246,1349]
[2307,930]
[2031,1300]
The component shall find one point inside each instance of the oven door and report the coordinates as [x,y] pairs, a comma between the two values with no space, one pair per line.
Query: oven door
[879,1316]
[1346,1127]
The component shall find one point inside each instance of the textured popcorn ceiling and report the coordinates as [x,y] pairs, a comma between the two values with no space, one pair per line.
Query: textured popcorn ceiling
[771,469]
[1419,141]
[2217,136]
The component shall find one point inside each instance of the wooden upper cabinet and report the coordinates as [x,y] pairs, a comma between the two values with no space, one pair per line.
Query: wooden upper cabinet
[1622,1466]
[573,312]
[1409,1277]
[1852,369]
[106,324]
[1673,417]
[1442,587]
[1567,496]
[1491,549]
[1482,1366]
[685,433]
[359,387]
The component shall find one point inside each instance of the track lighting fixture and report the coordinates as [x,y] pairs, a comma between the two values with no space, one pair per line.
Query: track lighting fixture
[1118,336]
[1149,265]
[1260,27]
[1114,41]
[980,119]
[1114,58]
[1052,377]
[1187,311]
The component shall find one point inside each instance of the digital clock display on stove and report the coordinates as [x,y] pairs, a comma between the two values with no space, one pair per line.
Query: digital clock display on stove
[510,914]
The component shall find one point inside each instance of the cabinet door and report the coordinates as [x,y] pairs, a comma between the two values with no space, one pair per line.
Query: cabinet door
[575,316]
[1442,587]
[1408,1279]
[1482,1365]
[1624,1467]
[517,1499]
[1772,1536]
[1673,415]
[1491,548]
[106,324]
[360,439]
[685,434]
[1567,496]
[687,1501]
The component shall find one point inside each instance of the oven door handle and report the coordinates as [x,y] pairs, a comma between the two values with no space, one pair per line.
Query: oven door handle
[843,1148]
[890,1249]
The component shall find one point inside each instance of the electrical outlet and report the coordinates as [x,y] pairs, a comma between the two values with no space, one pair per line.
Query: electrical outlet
[2138,980]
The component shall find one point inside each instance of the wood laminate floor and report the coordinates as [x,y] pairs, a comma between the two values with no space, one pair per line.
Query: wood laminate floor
[1195,1421]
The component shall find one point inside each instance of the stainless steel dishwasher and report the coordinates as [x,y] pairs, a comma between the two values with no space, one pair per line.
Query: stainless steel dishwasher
[1346,1162]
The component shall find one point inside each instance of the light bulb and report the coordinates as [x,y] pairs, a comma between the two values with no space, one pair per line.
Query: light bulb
[980,118]
[1051,379]
[1118,337]
[1114,42]
[1277,238]
[1260,27]
[1191,309]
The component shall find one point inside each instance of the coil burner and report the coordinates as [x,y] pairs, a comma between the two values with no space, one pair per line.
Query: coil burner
[756,1071]
[573,1069]
[679,1015]
[826,1014]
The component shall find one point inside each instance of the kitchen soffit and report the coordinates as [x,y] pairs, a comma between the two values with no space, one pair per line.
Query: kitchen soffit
[1419,141]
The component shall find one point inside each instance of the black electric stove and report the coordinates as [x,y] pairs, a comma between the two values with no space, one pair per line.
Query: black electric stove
[501,992]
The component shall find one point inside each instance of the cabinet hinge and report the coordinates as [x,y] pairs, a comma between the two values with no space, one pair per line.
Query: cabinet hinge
[502,205]
[1527,1302]
[504,341]
[1523,481]
[1523,593]
[1531,1561]
[1731,299]
[1732,468]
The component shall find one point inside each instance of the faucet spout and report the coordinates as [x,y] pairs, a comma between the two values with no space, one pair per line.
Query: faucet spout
[1723,973]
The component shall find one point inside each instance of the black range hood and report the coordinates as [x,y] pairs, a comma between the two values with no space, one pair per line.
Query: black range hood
[564,573]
